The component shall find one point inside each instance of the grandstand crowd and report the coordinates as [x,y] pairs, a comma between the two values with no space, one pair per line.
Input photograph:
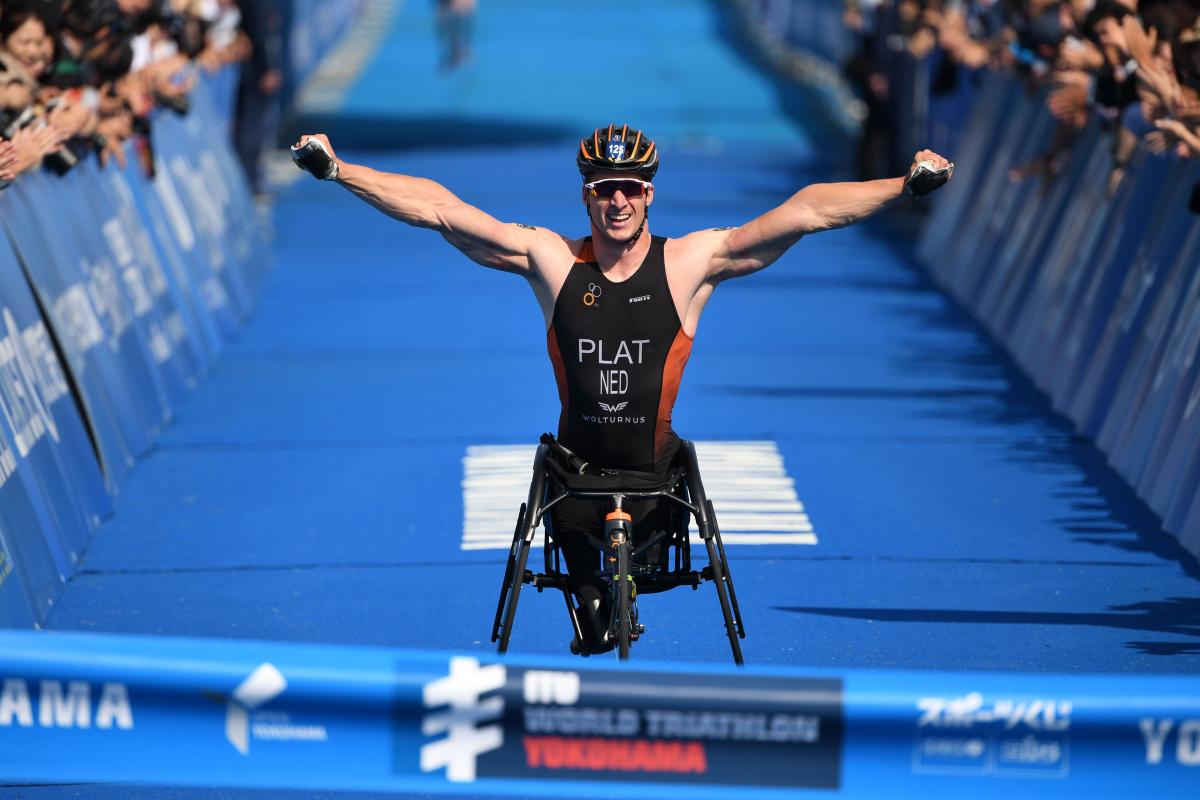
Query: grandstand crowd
[1134,64]
[82,78]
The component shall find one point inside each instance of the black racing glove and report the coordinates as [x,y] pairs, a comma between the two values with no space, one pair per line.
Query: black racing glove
[924,179]
[311,156]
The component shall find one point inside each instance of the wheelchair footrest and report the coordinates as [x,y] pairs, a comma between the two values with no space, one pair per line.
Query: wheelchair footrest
[542,581]
[668,580]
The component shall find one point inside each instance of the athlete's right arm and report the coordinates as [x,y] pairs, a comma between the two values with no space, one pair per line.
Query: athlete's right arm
[427,204]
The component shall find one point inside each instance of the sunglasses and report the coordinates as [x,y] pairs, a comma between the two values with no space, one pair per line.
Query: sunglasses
[609,186]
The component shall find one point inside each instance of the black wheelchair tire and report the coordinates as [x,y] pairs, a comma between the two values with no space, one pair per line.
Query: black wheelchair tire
[733,601]
[508,573]
[624,600]
[520,558]
[514,594]
[718,579]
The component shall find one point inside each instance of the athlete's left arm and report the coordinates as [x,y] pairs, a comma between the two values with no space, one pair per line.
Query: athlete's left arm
[815,208]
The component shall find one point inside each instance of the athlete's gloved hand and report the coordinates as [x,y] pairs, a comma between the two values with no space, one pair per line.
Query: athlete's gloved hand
[314,154]
[928,172]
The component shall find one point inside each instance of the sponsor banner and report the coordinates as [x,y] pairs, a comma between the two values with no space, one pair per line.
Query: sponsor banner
[172,297]
[568,725]
[45,437]
[35,558]
[954,204]
[90,318]
[188,176]
[246,240]
[16,611]
[173,356]
[172,233]
[83,708]
[1123,431]
[119,293]
[1118,311]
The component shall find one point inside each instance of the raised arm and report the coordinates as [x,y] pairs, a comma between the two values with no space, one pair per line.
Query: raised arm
[427,204]
[818,207]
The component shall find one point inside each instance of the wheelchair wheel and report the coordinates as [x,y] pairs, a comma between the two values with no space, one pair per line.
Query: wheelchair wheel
[718,577]
[511,591]
[716,564]
[737,613]
[508,573]
[624,609]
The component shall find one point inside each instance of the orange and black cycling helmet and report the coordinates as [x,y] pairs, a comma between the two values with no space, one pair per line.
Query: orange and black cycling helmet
[618,148]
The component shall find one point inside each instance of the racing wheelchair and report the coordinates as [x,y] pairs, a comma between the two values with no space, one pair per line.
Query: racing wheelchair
[663,561]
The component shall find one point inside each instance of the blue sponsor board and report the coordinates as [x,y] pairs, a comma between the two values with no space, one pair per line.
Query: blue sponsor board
[33,546]
[978,735]
[188,169]
[81,708]
[159,320]
[15,608]
[245,240]
[51,490]
[596,725]
[40,417]
[90,319]
[202,298]
[170,297]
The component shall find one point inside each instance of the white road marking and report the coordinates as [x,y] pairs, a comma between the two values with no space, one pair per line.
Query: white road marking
[754,497]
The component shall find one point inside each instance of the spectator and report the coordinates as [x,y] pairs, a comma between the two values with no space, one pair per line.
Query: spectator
[1132,67]
[25,34]
[79,77]
[261,81]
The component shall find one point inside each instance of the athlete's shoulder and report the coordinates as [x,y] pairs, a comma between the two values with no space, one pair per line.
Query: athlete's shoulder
[699,244]
[581,249]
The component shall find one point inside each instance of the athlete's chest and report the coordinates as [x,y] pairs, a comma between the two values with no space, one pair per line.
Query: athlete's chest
[639,307]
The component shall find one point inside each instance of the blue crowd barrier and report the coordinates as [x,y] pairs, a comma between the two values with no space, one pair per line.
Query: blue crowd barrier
[202,196]
[139,282]
[90,708]
[90,320]
[1095,292]
[51,490]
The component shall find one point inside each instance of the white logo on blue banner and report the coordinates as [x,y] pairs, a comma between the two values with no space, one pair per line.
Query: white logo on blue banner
[32,389]
[264,685]
[616,148]
[466,739]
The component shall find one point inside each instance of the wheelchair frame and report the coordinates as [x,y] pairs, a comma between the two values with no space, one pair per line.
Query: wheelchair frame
[682,487]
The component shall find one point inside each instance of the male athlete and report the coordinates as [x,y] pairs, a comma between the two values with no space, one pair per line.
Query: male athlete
[621,305]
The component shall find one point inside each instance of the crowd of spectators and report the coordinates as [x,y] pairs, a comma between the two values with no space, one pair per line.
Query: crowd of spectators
[1134,64]
[84,78]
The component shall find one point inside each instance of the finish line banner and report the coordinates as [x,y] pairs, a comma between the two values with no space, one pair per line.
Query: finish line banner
[95,708]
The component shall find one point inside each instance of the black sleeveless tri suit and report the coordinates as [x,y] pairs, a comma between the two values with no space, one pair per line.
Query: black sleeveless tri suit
[618,351]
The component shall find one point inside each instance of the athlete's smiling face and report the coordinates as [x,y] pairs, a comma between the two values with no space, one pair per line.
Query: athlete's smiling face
[617,210]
